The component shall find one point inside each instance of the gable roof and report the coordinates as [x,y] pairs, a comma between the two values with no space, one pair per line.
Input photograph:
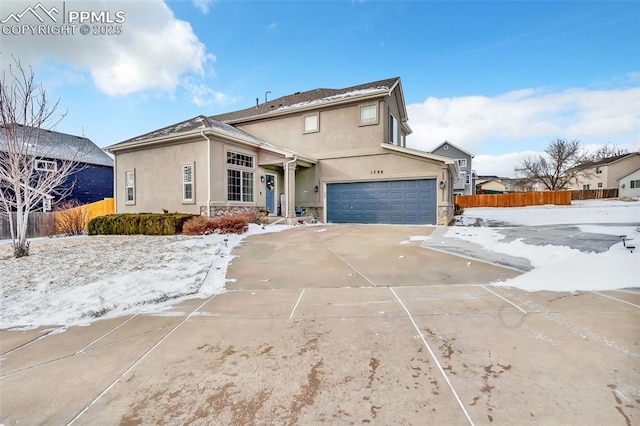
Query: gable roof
[196,126]
[49,144]
[311,99]
[609,160]
[453,145]
[630,173]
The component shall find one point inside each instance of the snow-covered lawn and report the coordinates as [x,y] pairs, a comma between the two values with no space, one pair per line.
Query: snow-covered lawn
[558,267]
[77,279]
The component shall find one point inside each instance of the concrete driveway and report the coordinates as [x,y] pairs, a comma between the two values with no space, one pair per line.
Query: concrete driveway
[348,325]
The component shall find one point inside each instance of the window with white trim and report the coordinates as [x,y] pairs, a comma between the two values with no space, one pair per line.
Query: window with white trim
[635,184]
[311,123]
[462,162]
[586,187]
[467,179]
[599,184]
[130,186]
[188,195]
[240,177]
[368,114]
[393,130]
[46,165]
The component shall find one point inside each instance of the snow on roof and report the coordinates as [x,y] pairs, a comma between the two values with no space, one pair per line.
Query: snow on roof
[352,93]
[310,97]
[61,146]
[202,123]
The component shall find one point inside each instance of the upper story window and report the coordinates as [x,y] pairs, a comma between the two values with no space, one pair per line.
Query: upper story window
[368,114]
[311,123]
[462,162]
[393,130]
[130,186]
[467,179]
[46,166]
[598,170]
[187,183]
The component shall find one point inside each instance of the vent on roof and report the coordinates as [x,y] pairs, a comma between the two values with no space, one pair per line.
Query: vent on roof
[297,93]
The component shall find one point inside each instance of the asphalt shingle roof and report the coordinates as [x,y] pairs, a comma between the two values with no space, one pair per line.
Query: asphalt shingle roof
[301,99]
[62,146]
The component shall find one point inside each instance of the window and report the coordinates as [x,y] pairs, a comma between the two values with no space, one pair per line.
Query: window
[393,130]
[187,183]
[368,114]
[46,166]
[635,184]
[239,181]
[598,170]
[130,186]
[237,159]
[467,180]
[462,162]
[311,123]
[599,184]
[586,187]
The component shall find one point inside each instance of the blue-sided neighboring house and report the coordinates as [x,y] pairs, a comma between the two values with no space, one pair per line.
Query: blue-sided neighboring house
[94,179]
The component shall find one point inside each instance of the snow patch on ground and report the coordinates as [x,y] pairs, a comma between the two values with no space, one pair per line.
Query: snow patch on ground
[557,267]
[74,280]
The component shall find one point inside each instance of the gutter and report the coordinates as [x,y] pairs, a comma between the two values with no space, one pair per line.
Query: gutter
[208,172]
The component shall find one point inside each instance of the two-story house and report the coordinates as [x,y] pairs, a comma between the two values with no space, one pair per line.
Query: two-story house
[605,173]
[466,184]
[338,155]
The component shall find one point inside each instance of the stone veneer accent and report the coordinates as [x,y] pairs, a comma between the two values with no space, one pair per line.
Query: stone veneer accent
[445,214]
[215,211]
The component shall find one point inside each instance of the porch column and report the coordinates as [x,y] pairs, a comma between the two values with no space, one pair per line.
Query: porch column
[290,184]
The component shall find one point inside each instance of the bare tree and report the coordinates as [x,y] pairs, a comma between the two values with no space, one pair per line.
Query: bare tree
[556,168]
[607,151]
[32,172]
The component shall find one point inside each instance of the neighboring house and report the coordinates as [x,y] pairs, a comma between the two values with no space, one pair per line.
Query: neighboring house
[93,180]
[629,185]
[490,185]
[605,173]
[338,155]
[466,185]
[516,185]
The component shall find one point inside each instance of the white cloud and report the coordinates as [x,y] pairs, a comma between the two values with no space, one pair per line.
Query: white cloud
[152,53]
[203,5]
[272,26]
[474,122]
[202,95]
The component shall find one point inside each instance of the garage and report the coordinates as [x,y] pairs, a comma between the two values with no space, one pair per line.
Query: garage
[404,202]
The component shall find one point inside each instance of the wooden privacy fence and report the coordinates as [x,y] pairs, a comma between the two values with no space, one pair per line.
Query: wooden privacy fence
[594,194]
[49,223]
[514,199]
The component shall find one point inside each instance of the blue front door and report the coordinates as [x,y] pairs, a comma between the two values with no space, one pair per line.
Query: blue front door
[270,191]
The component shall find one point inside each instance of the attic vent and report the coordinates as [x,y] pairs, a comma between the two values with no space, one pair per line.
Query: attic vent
[297,93]
[272,106]
[446,147]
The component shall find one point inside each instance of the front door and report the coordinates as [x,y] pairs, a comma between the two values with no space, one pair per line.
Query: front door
[270,191]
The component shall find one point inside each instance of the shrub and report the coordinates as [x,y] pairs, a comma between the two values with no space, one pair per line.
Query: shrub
[229,224]
[457,209]
[71,218]
[138,223]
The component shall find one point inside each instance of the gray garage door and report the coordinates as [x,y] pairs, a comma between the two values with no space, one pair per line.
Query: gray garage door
[408,202]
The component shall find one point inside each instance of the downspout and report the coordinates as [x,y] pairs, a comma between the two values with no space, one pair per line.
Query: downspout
[286,183]
[208,172]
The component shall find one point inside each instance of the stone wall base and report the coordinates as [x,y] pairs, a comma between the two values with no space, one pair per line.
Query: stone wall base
[445,214]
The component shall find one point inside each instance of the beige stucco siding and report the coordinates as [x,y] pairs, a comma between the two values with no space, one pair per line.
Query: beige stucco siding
[608,175]
[339,132]
[158,178]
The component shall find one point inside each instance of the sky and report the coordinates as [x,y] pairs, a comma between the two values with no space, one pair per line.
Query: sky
[500,79]
[39,291]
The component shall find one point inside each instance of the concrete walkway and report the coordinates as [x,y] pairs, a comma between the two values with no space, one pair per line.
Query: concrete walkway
[345,326]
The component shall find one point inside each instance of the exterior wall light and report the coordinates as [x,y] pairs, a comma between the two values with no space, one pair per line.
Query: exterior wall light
[442,184]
